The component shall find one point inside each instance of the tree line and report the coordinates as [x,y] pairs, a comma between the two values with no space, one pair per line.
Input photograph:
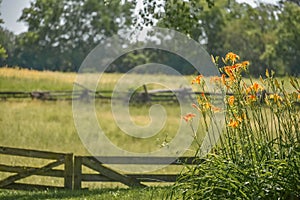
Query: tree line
[61,33]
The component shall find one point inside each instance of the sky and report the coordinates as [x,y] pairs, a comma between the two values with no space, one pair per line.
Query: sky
[11,10]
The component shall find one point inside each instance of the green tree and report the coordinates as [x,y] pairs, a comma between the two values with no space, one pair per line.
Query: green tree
[293,1]
[266,34]
[250,32]
[61,33]
[288,41]
[3,53]
[200,20]
[180,15]
[7,39]
[145,56]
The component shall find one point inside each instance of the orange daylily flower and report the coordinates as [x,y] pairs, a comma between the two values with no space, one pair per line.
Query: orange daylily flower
[245,64]
[232,57]
[254,88]
[257,87]
[237,121]
[233,123]
[231,100]
[188,117]
[252,97]
[223,78]
[197,79]
[240,118]
[229,71]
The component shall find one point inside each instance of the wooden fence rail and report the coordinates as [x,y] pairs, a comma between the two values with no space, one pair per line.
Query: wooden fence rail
[107,175]
[73,175]
[46,170]
[86,95]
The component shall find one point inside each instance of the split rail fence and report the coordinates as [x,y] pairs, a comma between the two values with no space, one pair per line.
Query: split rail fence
[105,174]
[73,174]
[157,95]
[22,172]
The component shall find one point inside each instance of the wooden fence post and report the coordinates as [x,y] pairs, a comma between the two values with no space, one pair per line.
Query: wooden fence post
[146,96]
[68,182]
[77,172]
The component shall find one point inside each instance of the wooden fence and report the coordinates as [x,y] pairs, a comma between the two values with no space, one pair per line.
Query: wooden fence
[22,172]
[105,174]
[55,95]
[159,95]
[73,175]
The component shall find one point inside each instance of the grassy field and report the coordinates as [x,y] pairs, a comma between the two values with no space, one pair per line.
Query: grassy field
[15,79]
[50,126]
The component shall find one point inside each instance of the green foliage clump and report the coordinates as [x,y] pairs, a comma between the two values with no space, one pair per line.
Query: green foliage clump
[219,178]
[258,156]
[3,53]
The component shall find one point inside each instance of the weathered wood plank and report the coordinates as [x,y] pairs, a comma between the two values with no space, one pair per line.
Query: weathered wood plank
[77,172]
[31,153]
[140,177]
[95,165]
[146,160]
[178,90]
[27,173]
[17,169]
[68,175]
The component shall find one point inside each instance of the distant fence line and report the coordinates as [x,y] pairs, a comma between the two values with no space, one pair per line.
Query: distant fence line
[48,95]
[74,176]
[158,95]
